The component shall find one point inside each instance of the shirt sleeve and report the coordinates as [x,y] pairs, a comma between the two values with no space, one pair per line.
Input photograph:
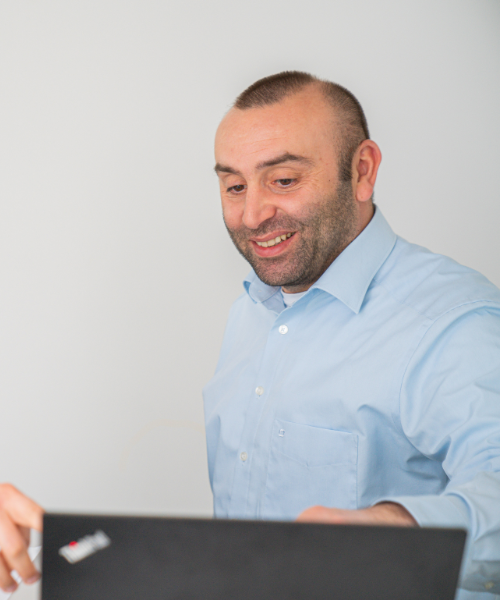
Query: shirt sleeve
[450,412]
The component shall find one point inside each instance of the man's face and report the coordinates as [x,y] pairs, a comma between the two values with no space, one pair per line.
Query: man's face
[284,206]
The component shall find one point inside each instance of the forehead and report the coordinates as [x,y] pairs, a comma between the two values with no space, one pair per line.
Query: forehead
[303,124]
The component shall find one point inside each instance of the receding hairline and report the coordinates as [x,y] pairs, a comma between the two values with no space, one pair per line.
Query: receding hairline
[255,104]
[277,88]
[347,113]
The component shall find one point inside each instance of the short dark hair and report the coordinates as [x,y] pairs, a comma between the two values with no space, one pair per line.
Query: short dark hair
[275,88]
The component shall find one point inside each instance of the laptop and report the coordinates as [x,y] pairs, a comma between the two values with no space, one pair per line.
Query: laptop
[89,557]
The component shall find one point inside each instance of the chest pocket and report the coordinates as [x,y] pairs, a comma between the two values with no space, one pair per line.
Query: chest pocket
[309,466]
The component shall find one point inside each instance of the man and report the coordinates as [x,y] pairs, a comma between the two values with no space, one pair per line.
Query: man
[359,376]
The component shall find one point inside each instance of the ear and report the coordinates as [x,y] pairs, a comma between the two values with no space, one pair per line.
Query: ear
[365,164]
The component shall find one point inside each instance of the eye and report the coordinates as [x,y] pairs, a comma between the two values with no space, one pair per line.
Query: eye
[285,182]
[237,189]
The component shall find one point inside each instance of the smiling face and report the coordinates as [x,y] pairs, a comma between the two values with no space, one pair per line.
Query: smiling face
[284,206]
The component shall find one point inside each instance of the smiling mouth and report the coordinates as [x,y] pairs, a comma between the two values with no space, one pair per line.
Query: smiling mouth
[274,242]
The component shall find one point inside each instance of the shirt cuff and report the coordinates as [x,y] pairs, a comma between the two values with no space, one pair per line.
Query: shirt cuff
[434,511]
[449,512]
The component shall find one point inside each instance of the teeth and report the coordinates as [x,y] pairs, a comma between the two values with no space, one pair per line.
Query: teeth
[277,240]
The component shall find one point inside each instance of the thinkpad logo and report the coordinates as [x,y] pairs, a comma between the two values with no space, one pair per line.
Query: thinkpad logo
[84,547]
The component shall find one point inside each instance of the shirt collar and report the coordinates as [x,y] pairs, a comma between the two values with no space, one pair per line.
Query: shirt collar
[350,274]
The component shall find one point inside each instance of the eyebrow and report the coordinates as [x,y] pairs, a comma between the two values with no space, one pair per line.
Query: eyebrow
[286,157]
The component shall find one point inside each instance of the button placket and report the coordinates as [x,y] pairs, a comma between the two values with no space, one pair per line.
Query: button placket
[250,469]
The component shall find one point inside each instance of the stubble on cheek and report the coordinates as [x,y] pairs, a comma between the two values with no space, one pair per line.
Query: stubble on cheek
[322,233]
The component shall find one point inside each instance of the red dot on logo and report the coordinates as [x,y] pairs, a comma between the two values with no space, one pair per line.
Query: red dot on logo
[71,544]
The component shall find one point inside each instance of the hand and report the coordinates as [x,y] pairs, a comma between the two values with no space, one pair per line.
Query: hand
[385,513]
[17,515]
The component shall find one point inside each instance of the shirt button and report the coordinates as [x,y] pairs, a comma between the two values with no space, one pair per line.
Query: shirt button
[489,585]
[259,390]
[283,329]
[243,456]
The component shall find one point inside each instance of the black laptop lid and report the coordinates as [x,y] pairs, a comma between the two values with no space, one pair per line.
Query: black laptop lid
[139,558]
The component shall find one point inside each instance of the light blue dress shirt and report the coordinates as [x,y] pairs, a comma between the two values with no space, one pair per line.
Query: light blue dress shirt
[381,383]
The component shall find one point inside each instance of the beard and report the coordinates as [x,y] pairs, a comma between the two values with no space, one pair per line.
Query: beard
[327,227]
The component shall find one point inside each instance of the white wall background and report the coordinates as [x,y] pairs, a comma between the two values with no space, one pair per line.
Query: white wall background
[116,273]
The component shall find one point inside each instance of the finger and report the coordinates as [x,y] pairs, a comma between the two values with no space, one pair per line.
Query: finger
[7,584]
[312,515]
[22,510]
[15,550]
[25,532]
[322,514]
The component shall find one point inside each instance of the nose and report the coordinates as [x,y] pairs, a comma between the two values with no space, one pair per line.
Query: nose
[259,207]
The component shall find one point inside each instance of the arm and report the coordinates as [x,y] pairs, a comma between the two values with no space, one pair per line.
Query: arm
[384,513]
[450,411]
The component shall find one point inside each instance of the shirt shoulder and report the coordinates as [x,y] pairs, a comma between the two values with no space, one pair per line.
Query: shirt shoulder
[433,284]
